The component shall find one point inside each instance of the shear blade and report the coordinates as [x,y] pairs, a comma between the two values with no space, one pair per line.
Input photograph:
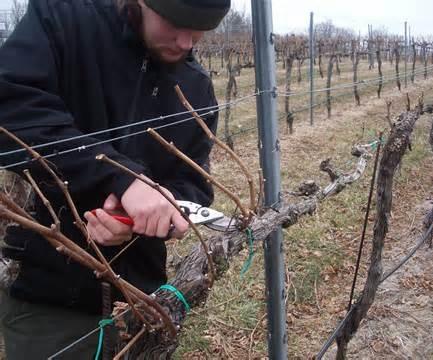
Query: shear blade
[223,224]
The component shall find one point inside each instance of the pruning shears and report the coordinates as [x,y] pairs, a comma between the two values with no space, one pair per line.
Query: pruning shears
[198,214]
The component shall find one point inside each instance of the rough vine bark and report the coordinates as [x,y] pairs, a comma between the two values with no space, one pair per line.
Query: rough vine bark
[231,90]
[337,65]
[320,55]
[370,48]
[397,66]
[395,148]
[412,75]
[328,84]
[190,276]
[425,58]
[20,192]
[379,69]
[355,63]
[300,60]
[289,115]
[429,109]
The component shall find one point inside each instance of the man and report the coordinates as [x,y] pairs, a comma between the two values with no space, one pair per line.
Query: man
[75,67]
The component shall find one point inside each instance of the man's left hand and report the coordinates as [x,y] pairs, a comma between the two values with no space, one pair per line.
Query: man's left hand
[103,228]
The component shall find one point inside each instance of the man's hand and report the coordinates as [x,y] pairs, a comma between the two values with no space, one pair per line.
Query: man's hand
[103,228]
[152,213]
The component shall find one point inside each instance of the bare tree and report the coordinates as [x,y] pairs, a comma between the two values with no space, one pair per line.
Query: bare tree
[17,11]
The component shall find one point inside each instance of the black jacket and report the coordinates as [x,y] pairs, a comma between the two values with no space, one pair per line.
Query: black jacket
[73,67]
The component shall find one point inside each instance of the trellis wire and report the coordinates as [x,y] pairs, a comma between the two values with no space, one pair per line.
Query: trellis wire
[84,147]
[143,122]
[334,335]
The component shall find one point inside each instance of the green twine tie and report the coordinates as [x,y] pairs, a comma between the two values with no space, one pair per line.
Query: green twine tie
[376,143]
[248,262]
[178,294]
[103,323]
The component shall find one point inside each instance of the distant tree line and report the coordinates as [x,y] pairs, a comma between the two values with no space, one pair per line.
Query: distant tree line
[10,18]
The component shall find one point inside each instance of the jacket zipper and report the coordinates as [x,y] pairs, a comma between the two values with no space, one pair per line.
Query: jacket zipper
[133,109]
[144,66]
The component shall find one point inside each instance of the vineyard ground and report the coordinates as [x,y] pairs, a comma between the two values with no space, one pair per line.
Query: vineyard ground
[321,250]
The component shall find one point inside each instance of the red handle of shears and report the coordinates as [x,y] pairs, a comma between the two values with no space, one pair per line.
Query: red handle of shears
[123,219]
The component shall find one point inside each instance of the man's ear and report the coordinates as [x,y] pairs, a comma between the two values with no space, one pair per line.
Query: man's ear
[134,11]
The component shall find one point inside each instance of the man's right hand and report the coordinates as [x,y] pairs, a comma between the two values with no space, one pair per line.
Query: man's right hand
[152,213]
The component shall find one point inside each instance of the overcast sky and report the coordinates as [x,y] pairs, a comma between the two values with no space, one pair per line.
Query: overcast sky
[291,15]
[391,14]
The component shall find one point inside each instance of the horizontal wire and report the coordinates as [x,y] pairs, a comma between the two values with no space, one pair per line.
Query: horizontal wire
[340,325]
[340,95]
[334,335]
[84,147]
[84,337]
[368,82]
[206,49]
[408,256]
[100,132]
[143,122]
[360,82]
[98,143]
[340,86]
[295,111]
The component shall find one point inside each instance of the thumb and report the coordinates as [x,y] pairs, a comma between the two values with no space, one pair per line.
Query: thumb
[111,203]
[180,224]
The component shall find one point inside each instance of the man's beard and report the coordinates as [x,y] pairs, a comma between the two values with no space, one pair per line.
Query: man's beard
[157,57]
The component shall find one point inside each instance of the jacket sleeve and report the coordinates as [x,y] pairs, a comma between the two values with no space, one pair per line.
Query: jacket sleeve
[32,108]
[188,184]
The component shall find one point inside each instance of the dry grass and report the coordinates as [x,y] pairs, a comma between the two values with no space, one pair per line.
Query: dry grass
[320,251]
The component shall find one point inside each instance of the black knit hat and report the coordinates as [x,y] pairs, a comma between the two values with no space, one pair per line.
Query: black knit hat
[191,14]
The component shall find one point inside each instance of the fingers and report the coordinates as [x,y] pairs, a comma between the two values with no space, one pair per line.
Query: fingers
[106,230]
[180,225]
[111,203]
[95,229]
[152,225]
[151,212]
[160,222]
[114,226]
[163,228]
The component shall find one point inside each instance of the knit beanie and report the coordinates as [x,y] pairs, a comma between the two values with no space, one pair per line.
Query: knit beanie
[191,14]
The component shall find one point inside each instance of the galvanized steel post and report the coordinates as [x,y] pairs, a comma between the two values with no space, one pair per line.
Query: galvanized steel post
[405,54]
[270,162]
[312,54]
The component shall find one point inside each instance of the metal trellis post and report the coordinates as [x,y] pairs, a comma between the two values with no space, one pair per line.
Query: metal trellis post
[405,54]
[312,54]
[270,163]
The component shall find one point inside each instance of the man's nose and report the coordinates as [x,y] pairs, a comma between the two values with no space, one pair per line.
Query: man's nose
[184,40]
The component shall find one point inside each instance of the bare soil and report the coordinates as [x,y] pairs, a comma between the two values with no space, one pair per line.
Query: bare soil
[320,250]
[319,285]
[399,323]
